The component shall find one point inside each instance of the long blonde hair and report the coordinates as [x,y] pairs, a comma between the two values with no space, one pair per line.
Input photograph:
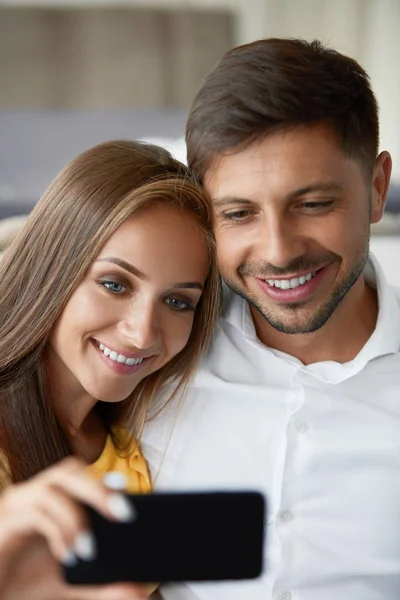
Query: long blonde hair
[65,232]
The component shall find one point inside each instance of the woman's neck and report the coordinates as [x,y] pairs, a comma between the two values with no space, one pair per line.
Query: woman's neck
[88,442]
[75,412]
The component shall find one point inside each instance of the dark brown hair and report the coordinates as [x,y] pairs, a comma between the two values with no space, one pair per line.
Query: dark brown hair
[274,84]
[77,214]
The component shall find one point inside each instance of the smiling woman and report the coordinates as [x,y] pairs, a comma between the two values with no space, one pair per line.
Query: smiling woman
[109,291]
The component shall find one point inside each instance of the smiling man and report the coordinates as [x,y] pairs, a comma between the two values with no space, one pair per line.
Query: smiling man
[293,215]
[299,396]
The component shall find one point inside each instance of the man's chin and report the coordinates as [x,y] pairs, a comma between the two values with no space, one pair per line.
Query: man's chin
[290,326]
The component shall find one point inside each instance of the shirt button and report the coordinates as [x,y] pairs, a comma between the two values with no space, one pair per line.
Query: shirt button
[301,427]
[286,595]
[286,515]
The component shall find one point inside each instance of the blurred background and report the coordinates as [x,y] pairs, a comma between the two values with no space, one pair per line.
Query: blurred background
[74,73]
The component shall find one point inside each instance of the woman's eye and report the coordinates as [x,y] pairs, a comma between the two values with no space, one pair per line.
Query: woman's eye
[179,305]
[113,286]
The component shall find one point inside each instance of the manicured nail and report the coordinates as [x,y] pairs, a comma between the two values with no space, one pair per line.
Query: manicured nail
[120,508]
[85,546]
[69,559]
[114,480]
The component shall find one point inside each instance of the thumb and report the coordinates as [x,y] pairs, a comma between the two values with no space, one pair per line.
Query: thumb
[118,591]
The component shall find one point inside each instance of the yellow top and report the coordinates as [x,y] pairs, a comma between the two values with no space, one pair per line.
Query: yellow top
[132,465]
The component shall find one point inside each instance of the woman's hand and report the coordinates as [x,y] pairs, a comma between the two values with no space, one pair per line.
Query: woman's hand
[47,505]
[35,575]
[47,509]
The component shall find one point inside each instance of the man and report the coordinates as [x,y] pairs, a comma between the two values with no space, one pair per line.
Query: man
[299,396]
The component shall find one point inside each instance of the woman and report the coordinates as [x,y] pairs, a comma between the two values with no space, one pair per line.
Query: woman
[110,290]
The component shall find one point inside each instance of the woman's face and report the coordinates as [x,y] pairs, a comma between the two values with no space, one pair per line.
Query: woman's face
[134,310]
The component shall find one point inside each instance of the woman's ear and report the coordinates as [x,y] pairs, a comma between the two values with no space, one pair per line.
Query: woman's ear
[380,185]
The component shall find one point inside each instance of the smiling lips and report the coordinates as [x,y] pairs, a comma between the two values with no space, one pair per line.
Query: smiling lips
[119,358]
[118,362]
[286,284]
[293,290]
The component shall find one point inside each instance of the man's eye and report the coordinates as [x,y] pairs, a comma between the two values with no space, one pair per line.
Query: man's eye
[316,205]
[113,286]
[237,215]
[179,305]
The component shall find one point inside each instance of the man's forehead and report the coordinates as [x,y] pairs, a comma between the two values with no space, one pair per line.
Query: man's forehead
[290,162]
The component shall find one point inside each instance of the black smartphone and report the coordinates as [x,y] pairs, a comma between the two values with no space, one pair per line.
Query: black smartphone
[206,536]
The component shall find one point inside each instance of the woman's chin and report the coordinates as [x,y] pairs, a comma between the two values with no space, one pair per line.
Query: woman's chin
[108,394]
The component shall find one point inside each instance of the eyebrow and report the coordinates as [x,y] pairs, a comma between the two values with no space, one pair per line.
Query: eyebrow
[319,186]
[230,200]
[195,285]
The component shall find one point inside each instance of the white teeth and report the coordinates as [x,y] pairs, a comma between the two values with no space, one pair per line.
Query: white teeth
[287,284]
[119,358]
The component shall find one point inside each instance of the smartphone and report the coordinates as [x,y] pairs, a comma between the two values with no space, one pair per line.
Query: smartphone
[206,536]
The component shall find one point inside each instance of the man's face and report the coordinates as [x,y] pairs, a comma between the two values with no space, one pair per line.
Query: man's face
[293,217]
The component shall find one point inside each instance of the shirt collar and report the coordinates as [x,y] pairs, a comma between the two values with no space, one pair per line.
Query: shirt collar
[386,337]
[384,340]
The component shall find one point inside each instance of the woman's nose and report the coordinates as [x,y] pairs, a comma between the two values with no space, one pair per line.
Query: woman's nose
[142,326]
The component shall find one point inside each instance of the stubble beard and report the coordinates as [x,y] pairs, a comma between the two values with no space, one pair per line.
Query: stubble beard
[322,314]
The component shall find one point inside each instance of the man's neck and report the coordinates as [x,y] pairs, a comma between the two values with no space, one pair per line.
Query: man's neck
[339,340]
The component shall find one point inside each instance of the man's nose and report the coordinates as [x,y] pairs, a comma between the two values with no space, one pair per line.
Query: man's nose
[280,242]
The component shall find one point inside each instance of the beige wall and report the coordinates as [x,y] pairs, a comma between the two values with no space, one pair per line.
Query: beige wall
[97,58]
[107,58]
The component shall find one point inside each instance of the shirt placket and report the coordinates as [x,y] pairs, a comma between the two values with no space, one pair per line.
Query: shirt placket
[282,512]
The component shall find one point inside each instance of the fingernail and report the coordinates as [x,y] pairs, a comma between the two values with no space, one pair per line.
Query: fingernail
[69,559]
[120,508]
[114,480]
[85,546]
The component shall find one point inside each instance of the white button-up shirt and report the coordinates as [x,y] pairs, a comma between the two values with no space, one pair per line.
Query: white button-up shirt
[321,441]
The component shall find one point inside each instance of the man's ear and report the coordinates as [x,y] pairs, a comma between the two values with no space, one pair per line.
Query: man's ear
[380,185]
